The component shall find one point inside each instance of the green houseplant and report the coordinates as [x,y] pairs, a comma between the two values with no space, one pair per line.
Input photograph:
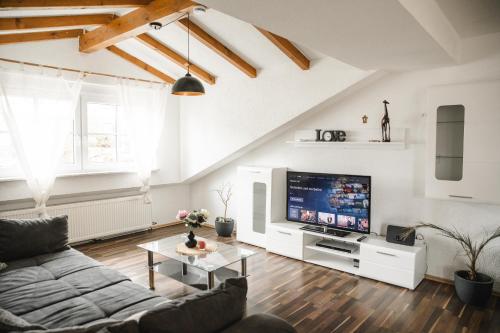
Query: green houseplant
[471,286]
[224,225]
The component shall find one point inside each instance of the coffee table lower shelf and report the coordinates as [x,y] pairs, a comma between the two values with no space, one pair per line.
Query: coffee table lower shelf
[191,275]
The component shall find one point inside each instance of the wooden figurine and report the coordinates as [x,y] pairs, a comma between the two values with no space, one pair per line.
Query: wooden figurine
[386,125]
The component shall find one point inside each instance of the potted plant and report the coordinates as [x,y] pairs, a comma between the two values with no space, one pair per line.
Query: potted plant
[192,220]
[471,286]
[223,224]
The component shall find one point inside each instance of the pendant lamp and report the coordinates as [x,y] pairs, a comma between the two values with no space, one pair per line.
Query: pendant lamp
[188,85]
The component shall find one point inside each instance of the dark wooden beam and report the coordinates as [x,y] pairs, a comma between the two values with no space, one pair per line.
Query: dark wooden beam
[141,64]
[131,24]
[38,36]
[218,47]
[175,57]
[51,4]
[40,22]
[287,48]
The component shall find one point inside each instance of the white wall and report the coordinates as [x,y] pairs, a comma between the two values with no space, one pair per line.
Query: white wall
[397,175]
[165,193]
[239,110]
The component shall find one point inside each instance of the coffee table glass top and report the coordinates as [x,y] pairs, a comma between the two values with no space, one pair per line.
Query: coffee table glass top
[210,261]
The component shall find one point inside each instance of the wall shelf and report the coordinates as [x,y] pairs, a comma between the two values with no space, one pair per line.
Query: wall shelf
[359,138]
[393,145]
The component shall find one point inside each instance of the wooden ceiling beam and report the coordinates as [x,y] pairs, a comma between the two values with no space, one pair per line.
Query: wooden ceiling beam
[131,24]
[141,64]
[175,57]
[38,36]
[39,22]
[218,47]
[58,4]
[287,48]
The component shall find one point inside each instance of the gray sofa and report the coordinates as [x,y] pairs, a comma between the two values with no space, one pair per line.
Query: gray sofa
[49,287]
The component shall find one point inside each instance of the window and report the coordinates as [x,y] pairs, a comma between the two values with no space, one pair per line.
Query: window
[8,163]
[105,143]
[97,141]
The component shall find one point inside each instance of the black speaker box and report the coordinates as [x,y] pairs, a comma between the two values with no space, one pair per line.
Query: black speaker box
[394,235]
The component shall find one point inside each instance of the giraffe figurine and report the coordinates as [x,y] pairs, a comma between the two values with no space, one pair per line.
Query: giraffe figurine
[386,125]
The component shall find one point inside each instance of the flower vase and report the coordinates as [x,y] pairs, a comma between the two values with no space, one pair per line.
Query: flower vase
[191,242]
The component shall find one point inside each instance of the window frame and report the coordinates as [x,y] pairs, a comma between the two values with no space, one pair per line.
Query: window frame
[86,166]
[81,164]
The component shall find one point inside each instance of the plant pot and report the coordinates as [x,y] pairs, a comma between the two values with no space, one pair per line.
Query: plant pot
[224,228]
[476,292]
[191,242]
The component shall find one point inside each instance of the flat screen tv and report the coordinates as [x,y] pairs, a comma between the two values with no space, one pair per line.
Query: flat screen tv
[340,202]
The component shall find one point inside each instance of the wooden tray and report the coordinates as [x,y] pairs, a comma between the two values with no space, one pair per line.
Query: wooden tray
[183,249]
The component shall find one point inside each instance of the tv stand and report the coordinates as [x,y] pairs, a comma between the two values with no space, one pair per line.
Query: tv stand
[373,258]
[325,230]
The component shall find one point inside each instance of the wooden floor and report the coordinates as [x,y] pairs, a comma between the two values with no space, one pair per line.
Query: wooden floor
[313,298]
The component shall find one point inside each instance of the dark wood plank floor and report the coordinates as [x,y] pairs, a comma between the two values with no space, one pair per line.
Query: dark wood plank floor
[313,298]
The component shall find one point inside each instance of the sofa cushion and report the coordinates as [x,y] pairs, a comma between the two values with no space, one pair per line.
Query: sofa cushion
[98,326]
[62,266]
[118,296]
[94,278]
[138,307]
[13,279]
[36,295]
[10,322]
[71,312]
[29,237]
[206,312]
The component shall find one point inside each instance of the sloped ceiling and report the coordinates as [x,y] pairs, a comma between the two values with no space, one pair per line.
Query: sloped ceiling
[240,36]
[472,18]
[366,34]
[381,34]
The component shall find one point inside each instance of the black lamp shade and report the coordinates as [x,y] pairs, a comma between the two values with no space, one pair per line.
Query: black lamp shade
[188,86]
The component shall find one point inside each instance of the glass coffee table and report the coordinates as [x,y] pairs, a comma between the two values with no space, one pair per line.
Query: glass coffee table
[201,271]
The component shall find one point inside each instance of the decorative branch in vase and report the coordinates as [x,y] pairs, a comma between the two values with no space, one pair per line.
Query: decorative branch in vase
[224,225]
[192,220]
[472,287]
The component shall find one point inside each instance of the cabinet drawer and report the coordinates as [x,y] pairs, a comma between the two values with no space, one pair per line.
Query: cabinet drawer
[399,277]
[285,242]
[388,257]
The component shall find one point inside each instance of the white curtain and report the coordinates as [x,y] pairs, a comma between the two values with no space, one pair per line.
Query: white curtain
[39,111]
[144,108]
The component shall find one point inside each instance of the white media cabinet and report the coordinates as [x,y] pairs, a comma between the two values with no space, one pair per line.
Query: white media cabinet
[261,210]
[377,259]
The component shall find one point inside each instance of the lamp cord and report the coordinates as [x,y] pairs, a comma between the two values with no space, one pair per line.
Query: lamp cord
[189,63]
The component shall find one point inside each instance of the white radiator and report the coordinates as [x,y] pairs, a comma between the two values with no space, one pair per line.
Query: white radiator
[99,218]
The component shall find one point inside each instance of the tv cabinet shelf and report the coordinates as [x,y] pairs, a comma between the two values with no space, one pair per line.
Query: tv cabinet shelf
[325,260]
[313,247]
[351,238]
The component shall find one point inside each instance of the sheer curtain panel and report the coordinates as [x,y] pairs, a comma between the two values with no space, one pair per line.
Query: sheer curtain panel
[144,108]
[39,111]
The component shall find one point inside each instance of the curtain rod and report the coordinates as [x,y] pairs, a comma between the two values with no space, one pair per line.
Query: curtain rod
[77,70]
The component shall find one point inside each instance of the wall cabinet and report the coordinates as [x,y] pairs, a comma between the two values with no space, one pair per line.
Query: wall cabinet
[463,142]
[261,193]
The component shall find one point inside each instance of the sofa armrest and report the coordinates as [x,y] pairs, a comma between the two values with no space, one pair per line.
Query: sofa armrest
[262,323]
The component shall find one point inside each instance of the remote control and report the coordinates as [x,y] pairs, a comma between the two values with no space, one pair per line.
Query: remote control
[361,238]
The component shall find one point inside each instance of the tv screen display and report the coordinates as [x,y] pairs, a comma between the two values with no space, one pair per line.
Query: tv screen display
[336,201]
